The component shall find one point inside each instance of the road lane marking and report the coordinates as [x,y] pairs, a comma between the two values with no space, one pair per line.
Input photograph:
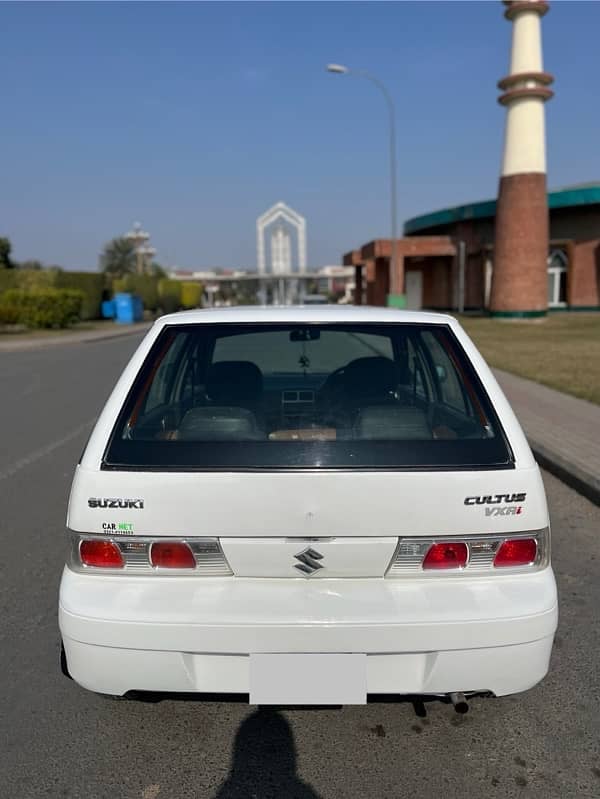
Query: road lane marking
[28,460]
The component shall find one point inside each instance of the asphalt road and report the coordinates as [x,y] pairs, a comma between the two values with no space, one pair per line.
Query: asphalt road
[57,740]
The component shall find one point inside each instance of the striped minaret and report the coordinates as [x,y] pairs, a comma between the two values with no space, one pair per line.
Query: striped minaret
[519,281]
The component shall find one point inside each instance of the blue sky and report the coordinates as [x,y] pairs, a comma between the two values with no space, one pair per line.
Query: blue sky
[194,118]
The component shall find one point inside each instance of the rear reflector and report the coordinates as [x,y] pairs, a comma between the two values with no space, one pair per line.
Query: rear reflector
[172,555]
[101,553]
[516,552]
[446,555]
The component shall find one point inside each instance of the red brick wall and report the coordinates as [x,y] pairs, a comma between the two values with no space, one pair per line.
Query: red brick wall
[439,275]
[352,258]
[377,254]
[579,222]
[519,281]
[475,281]
[358,285]
[382,281]
[437,283]
[409,246]
[583,285]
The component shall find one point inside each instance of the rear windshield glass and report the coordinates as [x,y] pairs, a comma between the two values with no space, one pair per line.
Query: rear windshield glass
[226,396]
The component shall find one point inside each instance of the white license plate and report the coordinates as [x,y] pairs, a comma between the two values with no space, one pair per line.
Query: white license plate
[299,679]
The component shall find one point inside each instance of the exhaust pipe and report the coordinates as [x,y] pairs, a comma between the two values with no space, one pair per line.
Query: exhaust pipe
[460,703]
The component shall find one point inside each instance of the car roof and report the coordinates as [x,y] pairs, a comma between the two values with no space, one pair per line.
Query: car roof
[304,313]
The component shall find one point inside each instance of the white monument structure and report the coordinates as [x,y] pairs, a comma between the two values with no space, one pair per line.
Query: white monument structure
[143,252]
[281,250]
[280,220]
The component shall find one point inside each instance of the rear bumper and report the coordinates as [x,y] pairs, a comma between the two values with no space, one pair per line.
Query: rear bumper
[420,636]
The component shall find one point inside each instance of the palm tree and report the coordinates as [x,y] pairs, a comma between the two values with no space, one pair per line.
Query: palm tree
[118,258]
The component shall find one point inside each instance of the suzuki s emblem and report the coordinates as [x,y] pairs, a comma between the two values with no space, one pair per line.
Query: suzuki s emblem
[309,561]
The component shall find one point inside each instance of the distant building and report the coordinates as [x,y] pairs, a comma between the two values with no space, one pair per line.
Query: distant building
[279,223]
[334,279]
[438,277]
[190,274]
[527,252]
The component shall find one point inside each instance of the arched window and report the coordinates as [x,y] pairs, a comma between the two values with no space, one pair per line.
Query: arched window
[558,264]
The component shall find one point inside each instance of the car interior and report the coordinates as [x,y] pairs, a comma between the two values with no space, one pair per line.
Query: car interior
[193,397]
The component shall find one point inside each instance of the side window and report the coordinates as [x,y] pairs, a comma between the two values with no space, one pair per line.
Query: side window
[165,374]
[450,389]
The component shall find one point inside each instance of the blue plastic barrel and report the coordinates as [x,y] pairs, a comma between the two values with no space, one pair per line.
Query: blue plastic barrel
[107,309]
[128,308]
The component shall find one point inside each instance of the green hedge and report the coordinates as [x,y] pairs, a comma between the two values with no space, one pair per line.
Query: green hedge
[169,293]
[8,279]
[9,314]
[31,279]
[90,283]
[43,307]
[157,294]
[145,286]
[191,295]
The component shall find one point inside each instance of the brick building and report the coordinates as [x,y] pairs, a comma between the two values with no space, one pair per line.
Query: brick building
[446,258]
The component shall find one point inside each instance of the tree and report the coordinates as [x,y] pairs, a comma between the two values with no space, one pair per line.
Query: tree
[31,264]
[118,258]
[5,248]
[156,270]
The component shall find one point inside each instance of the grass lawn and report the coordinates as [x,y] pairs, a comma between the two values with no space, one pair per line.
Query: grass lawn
[561,351]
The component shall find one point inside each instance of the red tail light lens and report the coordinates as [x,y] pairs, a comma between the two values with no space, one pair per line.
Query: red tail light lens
[447,555]
[516,552]
[172,555]
[101,553]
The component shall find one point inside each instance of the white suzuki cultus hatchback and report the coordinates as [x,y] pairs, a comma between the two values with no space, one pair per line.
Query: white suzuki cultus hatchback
[308,505]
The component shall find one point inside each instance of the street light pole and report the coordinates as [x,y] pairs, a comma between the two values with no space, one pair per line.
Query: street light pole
[340,69]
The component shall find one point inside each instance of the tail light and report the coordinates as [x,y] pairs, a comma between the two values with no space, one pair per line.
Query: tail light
[172,555]
[101,553]
[421,556]
[516,552]
[449,555]
[145,555]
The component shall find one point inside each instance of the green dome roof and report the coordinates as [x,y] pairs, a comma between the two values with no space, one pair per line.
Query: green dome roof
[581,194]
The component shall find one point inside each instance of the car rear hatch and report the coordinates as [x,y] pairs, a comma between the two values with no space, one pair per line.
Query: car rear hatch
[271,525]
[306,450]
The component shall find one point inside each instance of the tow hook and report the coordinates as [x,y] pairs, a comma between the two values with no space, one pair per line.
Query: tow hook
[460,703]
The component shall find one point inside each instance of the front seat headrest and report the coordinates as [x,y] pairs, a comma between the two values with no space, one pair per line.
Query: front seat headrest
[370,376]
[231,382]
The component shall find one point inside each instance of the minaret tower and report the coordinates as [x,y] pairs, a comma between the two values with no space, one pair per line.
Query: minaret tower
[519,281]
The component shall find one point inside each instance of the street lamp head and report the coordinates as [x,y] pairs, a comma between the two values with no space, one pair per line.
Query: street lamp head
[338,69]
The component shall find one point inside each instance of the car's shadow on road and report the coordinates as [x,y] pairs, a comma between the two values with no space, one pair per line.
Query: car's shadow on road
[264,760]
[264,755]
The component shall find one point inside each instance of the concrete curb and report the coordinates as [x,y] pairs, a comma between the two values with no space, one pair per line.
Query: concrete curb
[585,483]
[82,337]
[561,430]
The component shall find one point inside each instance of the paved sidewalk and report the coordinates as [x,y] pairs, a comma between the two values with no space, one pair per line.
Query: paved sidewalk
[26,341]
[563,431]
